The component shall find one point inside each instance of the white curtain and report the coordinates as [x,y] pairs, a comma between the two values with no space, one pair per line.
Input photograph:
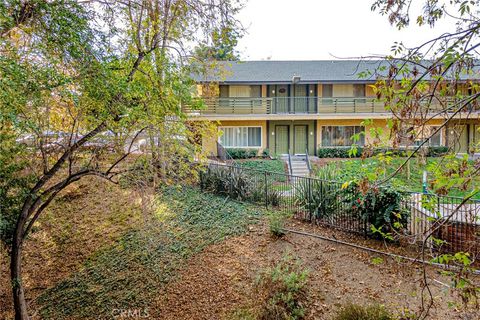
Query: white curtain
[236,137]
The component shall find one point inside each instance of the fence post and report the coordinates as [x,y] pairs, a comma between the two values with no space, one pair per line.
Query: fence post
[266,189]
[365,225]
[310,199]
[322,199]
[231,182]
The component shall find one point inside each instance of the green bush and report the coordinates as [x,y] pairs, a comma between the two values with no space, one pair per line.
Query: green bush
[282,290]
[257,194]
[346,152]
[328,172]
[379,208]
[230,181]
[317,197]
[338,152]
[237,153]
[437,151]
[15,183]
[276,223]
[357,312]
[238,184]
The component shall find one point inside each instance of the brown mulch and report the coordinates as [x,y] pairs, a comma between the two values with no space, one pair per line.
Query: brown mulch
[217,281]
[220,281]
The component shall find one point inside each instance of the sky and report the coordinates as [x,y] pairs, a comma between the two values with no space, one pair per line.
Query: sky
[324,29]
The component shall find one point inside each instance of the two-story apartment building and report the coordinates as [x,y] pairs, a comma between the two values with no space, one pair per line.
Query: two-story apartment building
[298,106]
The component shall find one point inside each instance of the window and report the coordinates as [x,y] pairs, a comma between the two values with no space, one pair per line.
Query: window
[327,90]
[359,90]
[241,91]
[436,139]
[420,134]
[241,137]
[224,91]
[342,90]
[341,136]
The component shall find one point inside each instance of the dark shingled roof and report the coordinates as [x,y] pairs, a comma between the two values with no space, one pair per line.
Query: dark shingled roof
[268,71]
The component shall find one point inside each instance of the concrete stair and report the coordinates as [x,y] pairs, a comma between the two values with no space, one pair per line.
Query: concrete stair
[299,165]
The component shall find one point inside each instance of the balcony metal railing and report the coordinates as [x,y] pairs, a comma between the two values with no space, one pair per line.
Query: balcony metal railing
[294,105]
[235,106]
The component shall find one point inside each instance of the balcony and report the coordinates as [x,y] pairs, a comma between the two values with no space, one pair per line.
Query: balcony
[293,105]
[288,105]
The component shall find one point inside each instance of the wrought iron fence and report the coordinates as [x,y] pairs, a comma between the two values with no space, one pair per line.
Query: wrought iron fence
[404,217]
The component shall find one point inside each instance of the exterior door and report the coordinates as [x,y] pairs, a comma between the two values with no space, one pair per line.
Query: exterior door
[299,104]
[281,99]
[300,139]
[458,138]
[281,139]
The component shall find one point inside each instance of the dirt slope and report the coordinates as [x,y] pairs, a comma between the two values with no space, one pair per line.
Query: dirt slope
[220,281]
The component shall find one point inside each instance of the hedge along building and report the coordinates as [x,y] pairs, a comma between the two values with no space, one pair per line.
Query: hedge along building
[300,106]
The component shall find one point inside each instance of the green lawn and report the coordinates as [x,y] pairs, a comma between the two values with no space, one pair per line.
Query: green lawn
[266,165]
[133,271]
[282,187]
[408,178]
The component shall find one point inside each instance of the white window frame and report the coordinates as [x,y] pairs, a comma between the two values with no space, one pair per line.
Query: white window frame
[240,147]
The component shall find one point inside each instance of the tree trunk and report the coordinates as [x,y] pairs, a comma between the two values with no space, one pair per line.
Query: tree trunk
[19,303]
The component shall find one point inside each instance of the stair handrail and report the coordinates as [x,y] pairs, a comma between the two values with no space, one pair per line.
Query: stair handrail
[309,166]
[290,163]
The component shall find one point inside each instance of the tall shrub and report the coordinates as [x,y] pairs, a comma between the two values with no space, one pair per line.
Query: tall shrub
[379,208]
[239,185]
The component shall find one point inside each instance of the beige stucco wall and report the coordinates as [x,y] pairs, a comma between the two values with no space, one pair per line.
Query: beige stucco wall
[210,147]
[319,90]
[209,143]
[264,90]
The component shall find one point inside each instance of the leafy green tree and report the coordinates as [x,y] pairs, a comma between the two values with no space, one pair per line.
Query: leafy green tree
[223,46]
[84,85]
